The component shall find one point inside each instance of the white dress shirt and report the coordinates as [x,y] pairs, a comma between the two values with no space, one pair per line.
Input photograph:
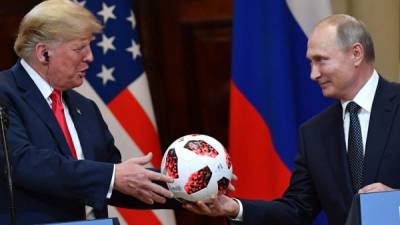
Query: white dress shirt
[364,99]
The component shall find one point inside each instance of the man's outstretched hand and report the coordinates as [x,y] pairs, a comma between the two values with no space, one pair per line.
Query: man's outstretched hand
[132,178]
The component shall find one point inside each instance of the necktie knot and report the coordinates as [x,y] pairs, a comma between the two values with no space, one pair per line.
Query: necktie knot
[55,97]
[353,108]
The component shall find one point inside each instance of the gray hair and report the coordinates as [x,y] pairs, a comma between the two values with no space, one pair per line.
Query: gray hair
[350,31]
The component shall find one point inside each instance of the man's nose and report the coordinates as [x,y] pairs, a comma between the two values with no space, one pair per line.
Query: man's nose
[315,73]
[89,56]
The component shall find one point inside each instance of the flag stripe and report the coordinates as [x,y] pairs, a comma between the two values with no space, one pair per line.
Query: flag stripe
[140,217]
[309,12]
[247,135]
[136,123]
[166,216]
[140,90]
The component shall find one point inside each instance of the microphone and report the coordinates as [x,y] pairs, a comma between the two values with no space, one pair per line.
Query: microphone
[4,122]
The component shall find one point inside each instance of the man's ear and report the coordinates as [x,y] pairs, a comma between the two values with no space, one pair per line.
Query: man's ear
[358,53]
[42,53]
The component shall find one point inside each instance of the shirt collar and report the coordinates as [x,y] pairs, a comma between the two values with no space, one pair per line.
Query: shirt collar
[365,96]
[41,83]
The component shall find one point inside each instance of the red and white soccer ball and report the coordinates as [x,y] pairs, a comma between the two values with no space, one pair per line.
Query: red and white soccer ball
[200,167]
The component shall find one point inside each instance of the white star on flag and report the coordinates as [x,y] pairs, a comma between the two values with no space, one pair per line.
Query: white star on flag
[106,43]
[107,12]
[82,3]
[134,49]
[132,19]
[106,74]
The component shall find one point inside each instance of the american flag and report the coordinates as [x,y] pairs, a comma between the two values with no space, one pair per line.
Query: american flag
[117,82]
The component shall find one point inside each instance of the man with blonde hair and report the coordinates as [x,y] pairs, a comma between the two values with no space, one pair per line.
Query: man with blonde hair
[351,147]
[64,161]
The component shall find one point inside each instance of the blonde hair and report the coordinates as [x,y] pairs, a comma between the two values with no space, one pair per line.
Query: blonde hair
[53,21]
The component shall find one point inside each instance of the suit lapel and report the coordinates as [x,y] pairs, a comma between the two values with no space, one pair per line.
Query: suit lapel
[336,151]
[34,98]
[80,119]
[380,124]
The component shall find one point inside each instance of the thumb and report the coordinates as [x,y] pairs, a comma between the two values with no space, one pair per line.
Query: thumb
[143,160]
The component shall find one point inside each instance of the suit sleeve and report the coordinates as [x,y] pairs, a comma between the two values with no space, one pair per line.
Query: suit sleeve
[298,206]
[47,172]
[125,201]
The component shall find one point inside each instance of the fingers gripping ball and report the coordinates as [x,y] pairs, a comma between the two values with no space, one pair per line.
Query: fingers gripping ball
[199,165]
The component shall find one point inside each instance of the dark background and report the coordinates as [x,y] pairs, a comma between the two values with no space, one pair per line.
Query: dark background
[186,45]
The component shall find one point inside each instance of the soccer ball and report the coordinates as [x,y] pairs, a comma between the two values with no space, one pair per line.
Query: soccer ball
[200,167]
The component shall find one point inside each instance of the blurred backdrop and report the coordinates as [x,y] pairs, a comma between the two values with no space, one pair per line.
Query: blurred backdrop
[186,48]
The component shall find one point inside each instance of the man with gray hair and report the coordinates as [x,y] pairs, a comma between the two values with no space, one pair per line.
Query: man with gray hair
[351,147]
[64,161]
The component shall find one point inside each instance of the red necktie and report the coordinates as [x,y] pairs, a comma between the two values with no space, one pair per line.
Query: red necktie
[58,111]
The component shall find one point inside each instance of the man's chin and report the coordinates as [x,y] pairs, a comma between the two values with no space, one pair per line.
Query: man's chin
[328,93]
[78,83]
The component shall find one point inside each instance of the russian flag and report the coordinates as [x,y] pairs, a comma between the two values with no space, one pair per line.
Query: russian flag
[271,92]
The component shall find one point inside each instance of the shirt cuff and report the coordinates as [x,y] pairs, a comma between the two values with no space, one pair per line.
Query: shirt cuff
[239,217]
[110,189]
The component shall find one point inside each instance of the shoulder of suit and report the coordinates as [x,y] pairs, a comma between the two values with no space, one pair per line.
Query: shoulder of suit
[79,97]
[7,80]
[392,84]
[6,74]
[388,88]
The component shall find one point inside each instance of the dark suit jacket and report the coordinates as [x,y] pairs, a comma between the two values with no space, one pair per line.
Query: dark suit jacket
[321,177]
[50,185]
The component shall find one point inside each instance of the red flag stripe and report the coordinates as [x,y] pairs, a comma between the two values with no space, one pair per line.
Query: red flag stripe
[137,124]
[139,217]
[261,172]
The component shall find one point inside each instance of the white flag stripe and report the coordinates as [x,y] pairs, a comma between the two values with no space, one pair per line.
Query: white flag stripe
[309,12]
[140,89]
[167,217]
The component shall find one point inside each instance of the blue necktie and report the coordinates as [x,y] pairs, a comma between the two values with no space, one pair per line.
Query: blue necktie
[355,147]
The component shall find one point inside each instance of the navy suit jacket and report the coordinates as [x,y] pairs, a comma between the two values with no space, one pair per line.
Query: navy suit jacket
[321,178]
[50,185]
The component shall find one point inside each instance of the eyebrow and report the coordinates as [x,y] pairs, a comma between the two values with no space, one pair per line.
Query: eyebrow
[82,44]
